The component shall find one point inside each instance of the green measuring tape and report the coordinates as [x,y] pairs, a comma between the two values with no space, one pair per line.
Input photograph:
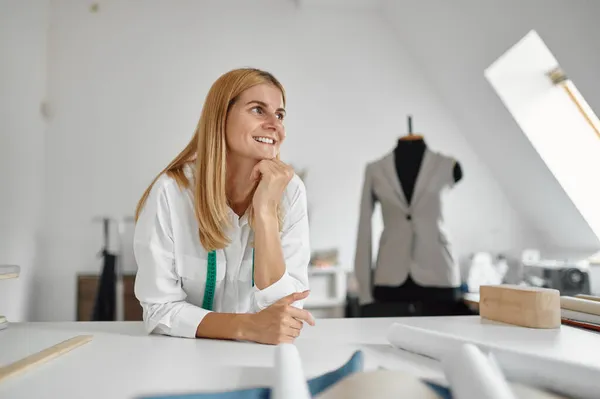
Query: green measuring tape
[211,279]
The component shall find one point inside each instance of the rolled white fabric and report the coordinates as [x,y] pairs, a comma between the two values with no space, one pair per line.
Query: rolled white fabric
[566,378]
[290,382]
[423,342]
[473,376]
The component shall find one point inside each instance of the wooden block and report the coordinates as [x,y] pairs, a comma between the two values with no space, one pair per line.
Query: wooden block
[522,306]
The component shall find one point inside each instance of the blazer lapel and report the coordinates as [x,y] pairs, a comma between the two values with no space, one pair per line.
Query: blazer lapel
[389,171]
[428,166]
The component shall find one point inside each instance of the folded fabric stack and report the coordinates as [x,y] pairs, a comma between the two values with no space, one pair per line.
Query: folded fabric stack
[581,311]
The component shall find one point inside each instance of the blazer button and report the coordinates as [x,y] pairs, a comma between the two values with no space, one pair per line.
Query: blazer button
[408,217]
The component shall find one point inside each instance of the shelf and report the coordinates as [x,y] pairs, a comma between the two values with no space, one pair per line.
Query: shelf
[7,272]
[313,270]
[324,303]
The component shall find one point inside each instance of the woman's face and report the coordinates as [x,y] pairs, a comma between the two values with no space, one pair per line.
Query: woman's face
[254,127]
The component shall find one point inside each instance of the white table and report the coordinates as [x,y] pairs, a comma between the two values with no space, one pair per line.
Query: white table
[122,361]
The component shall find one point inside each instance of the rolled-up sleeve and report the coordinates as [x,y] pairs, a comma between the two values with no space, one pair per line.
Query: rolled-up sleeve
[296,251]
[157,284]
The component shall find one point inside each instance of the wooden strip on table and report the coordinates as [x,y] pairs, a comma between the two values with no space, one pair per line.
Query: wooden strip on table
[43,356]
[581,324]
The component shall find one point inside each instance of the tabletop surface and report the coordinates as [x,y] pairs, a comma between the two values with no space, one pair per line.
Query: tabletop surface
[122,361]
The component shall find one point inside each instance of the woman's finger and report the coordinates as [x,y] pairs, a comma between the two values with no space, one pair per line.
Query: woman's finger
[293,323]
[301,315]
[291,332]
[269,168]
[283,169]
[279,163]
[258,170]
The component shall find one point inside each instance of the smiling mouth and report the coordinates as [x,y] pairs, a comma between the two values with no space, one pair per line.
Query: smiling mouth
[265,140]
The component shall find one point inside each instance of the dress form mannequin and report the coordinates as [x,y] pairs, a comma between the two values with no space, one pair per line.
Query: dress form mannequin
[408,159]
[420,175]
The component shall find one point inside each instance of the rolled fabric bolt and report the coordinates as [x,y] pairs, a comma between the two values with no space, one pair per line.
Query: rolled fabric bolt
[580,305]
[588,297]
[290,382]
[567,378]
[561,376]
[473,376]
[423,342]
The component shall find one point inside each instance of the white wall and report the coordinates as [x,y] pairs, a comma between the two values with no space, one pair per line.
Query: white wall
[23,32]
[126,87]
[454,42]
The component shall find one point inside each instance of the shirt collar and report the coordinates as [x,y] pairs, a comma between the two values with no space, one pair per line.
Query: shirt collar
[236,220]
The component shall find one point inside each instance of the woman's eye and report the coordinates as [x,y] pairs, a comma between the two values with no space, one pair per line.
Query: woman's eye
[280,116]
[257,110]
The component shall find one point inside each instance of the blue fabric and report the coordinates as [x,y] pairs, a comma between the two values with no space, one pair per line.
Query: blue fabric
[354,365]
[443,392]
[316,385]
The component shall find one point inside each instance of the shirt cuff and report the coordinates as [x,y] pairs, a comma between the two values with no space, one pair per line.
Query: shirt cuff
[186,321]
[285,286]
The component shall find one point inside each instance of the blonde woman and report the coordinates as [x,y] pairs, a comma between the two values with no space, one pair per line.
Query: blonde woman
[221,237]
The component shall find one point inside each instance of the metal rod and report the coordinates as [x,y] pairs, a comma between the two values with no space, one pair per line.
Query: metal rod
[119,288]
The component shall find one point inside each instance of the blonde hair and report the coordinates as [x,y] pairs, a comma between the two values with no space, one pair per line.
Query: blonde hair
[208,147]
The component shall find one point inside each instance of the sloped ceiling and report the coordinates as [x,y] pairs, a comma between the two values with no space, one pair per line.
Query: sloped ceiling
[455,41]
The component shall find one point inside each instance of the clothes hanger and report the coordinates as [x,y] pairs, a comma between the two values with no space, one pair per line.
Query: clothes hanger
[411,135]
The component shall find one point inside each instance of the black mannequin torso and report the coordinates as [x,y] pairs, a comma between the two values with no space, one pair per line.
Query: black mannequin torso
[408,156]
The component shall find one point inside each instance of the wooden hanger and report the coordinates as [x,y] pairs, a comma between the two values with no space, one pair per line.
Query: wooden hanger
[410,135]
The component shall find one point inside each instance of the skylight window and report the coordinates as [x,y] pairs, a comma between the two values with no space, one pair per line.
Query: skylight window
[556,119]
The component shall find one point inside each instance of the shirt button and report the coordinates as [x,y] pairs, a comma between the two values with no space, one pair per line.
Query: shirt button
[408,217]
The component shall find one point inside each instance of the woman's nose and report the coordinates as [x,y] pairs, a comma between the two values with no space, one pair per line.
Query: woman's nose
[272,123]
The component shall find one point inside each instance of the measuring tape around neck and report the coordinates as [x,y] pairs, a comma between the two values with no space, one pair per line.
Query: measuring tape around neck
[211,279]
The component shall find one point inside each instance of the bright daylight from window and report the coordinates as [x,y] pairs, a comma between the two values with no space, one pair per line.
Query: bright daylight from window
[555,117]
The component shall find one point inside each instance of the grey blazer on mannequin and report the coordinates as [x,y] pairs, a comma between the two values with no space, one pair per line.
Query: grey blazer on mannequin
[413,238]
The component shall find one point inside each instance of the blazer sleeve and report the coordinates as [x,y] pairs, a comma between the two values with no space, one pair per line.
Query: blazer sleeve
[363,255]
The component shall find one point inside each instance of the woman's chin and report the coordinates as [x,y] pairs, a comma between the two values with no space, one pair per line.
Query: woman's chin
[265,155]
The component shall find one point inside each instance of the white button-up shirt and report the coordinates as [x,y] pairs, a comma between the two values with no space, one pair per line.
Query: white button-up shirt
[172,264]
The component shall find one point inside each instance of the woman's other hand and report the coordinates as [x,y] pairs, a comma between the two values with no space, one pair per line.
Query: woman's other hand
[279,323]
[273,176]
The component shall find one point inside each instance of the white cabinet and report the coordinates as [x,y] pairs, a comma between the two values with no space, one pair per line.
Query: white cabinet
[7,272]
[328,288]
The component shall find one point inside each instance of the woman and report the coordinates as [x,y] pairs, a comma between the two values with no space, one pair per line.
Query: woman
[221,236]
